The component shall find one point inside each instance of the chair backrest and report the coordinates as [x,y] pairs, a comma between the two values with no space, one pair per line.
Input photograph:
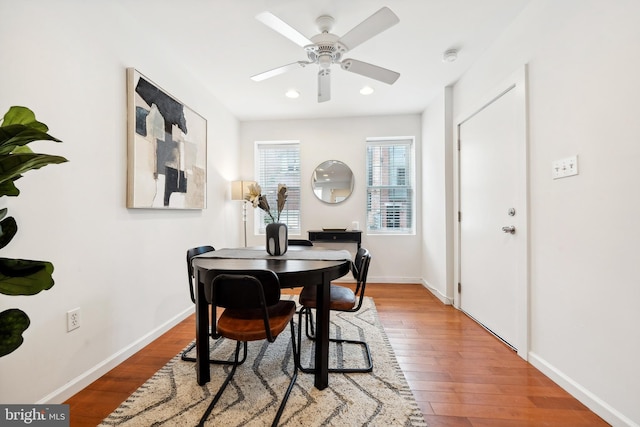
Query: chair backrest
[358,261]
[190,254]
[299,242]
[243,290]
[361,270]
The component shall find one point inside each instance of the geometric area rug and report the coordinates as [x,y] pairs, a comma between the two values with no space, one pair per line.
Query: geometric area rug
[172,397]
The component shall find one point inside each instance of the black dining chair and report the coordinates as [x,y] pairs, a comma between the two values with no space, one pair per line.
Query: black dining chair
[300,242]
[343,299]
[190,254]
[253,311]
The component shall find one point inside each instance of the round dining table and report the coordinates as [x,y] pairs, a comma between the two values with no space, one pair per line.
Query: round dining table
[292,273]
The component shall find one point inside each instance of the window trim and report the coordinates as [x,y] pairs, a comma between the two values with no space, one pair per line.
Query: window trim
[258,218]
[410,186]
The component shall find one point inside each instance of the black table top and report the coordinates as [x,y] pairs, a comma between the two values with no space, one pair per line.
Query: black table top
[291,272]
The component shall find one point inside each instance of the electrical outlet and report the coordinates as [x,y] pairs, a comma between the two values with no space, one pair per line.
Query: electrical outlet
[73,319]
[565,167]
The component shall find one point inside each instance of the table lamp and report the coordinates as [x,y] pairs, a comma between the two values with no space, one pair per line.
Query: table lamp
[239,189]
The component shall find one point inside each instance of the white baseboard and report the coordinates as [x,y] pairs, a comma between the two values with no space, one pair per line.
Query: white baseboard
[83,380]
[591,401]
[403,280]
[443,298]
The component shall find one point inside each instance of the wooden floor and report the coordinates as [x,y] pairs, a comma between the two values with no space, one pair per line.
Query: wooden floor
[460,374]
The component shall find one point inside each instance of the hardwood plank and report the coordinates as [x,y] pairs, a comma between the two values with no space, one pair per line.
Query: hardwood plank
[460,374]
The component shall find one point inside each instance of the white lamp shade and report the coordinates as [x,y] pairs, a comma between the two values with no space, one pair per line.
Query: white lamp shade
[239,189]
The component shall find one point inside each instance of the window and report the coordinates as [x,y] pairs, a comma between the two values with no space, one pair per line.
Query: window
[389,186]
[279,163]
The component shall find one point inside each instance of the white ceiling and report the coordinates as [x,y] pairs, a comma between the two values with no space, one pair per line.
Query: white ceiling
[222,44]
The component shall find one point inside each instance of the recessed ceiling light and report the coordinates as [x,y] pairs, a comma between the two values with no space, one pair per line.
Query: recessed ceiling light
[366,90]
[292,93]
[450,55]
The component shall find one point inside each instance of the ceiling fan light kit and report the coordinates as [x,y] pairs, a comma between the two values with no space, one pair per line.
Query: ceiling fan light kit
[325,49]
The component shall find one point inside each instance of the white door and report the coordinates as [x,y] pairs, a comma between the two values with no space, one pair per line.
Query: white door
[492,205]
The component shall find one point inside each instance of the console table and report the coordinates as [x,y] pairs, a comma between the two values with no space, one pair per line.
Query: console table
[336,236]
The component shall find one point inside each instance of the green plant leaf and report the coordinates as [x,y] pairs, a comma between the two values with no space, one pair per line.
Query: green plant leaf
[25,277]
[22,149]
[13,323]
[18,135]
[8,229]
[8,188]
[22,116]
[15,164]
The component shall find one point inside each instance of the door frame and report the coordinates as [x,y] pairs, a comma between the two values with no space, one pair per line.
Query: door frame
[516,82]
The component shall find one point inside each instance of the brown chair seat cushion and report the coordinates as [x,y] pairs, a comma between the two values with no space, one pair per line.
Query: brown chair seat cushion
[248,325]
[342,298]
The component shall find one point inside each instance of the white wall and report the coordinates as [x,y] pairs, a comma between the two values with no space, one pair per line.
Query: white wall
[437,193]
[124,268]
[584,65]
[394,258]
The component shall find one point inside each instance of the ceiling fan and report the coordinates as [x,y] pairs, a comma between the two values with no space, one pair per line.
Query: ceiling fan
[326,48]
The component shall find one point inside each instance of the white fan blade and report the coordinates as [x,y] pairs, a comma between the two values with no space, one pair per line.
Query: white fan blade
[372,26]
[370,70]
[279,26]
[277,71]
[324,85]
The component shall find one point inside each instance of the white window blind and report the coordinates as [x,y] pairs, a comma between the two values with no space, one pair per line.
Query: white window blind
[279,163]
[390,192]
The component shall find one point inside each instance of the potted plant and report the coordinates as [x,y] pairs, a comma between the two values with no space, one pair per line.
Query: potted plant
[19,127]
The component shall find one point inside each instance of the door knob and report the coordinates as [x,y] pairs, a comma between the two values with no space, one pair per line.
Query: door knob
[509,229]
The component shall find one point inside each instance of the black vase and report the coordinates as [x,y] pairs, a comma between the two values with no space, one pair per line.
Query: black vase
[277,238]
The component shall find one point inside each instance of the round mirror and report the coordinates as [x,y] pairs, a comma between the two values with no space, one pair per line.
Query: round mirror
[332,181]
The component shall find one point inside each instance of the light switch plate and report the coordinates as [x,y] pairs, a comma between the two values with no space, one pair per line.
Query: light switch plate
[565,167]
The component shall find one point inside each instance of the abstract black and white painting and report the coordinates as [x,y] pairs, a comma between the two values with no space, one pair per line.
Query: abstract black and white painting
[167,149]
